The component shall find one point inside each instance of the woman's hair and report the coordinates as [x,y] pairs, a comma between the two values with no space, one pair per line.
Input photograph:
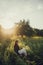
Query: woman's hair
[16,41]
[16,46]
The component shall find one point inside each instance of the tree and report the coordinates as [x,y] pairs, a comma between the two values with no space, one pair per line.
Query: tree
[24,28]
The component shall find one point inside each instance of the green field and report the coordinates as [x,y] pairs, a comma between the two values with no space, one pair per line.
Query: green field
[34,48]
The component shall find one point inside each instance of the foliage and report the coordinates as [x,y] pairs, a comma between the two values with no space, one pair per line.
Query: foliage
[24,28]
[35,52]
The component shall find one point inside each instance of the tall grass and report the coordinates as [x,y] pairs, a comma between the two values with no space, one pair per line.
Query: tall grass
[34,49]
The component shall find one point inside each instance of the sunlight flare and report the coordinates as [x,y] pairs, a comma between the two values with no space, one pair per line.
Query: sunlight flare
[7,25]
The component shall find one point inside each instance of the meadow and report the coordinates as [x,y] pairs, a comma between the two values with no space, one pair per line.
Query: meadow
[33,46]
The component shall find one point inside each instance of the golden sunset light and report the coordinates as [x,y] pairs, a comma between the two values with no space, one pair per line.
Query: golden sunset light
[7,25]
[21,32]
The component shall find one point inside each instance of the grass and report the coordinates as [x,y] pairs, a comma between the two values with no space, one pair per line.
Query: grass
[34,48]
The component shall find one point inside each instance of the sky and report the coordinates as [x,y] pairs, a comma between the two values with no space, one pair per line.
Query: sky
[12,11]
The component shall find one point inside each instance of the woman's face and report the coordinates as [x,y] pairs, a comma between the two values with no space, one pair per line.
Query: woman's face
[16,42]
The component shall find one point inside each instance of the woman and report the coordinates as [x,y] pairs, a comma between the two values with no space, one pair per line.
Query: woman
[19,51]
[16,47]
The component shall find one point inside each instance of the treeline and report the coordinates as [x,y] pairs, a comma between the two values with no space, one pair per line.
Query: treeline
[24,28]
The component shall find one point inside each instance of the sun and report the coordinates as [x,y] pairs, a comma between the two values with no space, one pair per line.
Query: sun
[7,25]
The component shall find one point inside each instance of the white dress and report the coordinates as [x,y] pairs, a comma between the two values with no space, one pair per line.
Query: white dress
[22,51]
